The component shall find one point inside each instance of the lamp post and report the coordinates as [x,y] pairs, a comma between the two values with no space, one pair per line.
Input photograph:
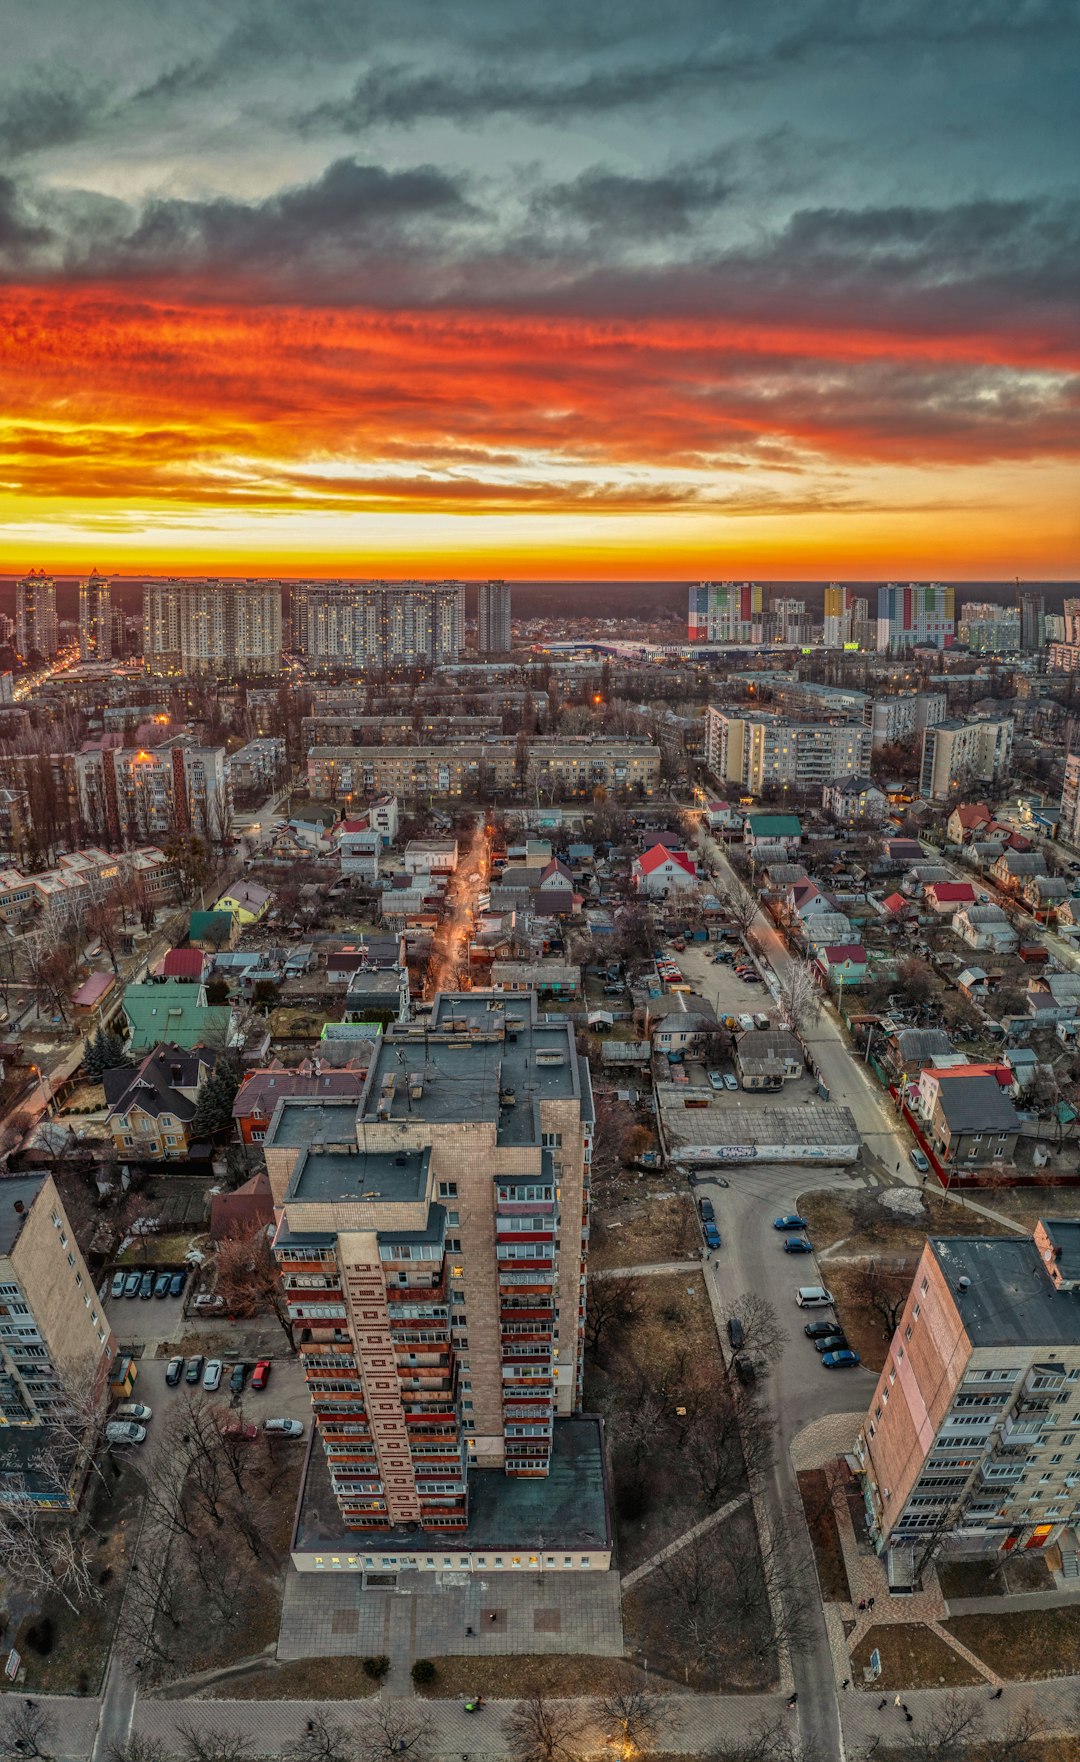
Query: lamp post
[46,1094]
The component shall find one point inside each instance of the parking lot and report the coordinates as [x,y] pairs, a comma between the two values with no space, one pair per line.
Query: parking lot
[718,982]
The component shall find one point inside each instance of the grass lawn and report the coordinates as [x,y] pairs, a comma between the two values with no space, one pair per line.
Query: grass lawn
[970,1578]
[1024,1646]
[303,1679]
[863,1225]
[645,1230]
[825,1537]
[912,1657]
[507,1679]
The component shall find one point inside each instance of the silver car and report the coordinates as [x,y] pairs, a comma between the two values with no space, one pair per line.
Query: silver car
[212,1373]
[124,1431]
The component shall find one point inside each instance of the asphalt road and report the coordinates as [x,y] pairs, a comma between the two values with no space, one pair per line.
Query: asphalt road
[798,1389]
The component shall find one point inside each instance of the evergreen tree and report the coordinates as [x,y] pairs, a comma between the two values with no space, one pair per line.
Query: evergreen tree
[213,1108]
[105,1052]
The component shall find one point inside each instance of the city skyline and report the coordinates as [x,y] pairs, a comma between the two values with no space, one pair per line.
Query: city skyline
[585,297]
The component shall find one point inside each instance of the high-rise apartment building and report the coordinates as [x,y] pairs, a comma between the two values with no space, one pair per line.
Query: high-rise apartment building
[847,618]
[972,1439]
[95,617]
[54,1338]
[726,611]
[493,618]
[756,751]
[915,616]
[132,795]
[956,754]
[989,629]
[35,615]
[378,625]
[432,1244]
[1032,622]
[787,620]
[210,626]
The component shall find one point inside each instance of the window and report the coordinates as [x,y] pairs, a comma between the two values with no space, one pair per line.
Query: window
[448,1190]
[453,1219]
[551,1140]
[70,1258]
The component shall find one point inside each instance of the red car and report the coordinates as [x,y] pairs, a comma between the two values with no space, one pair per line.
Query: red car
[260,1376]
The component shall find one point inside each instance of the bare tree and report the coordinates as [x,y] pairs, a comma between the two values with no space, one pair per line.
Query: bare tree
[764,1334]
[799,995]
[726,1599]
[630,1713]
[393,1728]
[945,1732]
[739,902]
[539,1730]
[773,1741]
[1020,1739]
[614,1304]
[139,1749]
[212,1743]
[249,1279]
[882,1289]
[322,1740]
[44,1556]
[730,1439]
[26,1729]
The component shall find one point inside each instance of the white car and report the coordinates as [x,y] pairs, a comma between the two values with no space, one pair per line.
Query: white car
[283,1428]
[212,1374]
[134,1410]
[207,1300]
[124,1431]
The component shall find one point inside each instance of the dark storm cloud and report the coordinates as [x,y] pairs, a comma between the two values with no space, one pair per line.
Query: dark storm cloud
[44,110]
[19,233]
[646,207]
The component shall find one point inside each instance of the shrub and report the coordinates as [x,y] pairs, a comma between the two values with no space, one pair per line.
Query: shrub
[39,1636]
[376,1668]
[423,1672]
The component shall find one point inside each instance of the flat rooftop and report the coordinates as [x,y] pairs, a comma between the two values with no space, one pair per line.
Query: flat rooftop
[1010,1301]
[1064,1233]
[731,1122]
[399,1176]
[565,1509]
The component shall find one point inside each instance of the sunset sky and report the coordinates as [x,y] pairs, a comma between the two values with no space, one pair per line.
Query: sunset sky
[534,289]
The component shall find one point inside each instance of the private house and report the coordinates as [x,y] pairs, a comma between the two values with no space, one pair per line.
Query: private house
[974,982]
[151,1106]
[968,822]
[852,801]
[680,1024]
[822,929]
[767,1058]
[1044,894]
[359,847]
[843,963]
[190,964]
[660,871]
[1013,867]
[901,852]
[986,928]
[378,994]
[213,930]
[947,897]
[246,1208]
[430,856]
[260,1092]
[1053,998]
[92,996]
[248,902]
[972,1123]
[806,898]
[550,978]
[775,829]
[175,1012]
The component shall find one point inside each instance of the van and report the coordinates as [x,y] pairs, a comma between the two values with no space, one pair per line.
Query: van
[813,1297]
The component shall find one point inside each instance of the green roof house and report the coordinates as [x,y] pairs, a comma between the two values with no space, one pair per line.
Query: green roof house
[213,930]
[178,1012]
[772,829]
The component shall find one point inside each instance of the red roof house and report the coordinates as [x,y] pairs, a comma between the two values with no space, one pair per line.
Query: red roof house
[947,897]
[184,963]
[660,871]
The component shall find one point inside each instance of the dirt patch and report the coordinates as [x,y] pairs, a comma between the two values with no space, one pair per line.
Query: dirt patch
[1026,1645]
[507,1679]
[304,1679]
[825,1536]
[912,1657]
[863,1225]
[642,1224]
[970,1578]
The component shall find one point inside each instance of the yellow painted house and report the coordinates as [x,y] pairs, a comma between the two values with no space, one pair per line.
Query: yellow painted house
[247,902]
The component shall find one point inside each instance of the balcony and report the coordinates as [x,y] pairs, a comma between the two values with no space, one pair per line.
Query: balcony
[1020,1432]
[1001,1474]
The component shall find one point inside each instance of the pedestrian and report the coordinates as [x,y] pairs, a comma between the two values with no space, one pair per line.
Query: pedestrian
[492,1615]
[908,1717]
[997,1694]
[469,1631]
[870,1604]
[883,1702]
[311,1725]
[904,1704]
[862,1605]
[846,1684]
[896,1701]
[791,1701]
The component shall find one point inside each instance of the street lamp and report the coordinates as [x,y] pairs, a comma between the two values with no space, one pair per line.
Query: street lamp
[46,1094]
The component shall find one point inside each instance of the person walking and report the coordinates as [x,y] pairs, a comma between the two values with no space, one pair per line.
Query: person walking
[896,1701]
[997,1694]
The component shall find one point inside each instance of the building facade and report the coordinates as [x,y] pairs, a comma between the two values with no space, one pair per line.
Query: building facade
[1032,622]
[95,617]
[493,618]
[972,1439]
[210,626]
[955,753]
[36,630]
[573,766]
[755,751]
[989,629]
[918,615]
[726,611]
[847,619]
[432,1243]
[131,795]
[378,625]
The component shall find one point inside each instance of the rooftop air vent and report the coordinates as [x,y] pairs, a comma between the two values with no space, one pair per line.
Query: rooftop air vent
[963,1282]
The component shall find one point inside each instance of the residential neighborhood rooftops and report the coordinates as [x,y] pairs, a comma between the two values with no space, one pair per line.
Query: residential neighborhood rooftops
[660,854]
[184,963]
[774,826]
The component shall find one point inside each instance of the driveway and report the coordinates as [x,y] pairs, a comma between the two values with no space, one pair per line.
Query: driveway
[798,1389]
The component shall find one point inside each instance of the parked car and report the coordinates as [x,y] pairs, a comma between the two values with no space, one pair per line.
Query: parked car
[212,1373]
[735,1333]
[820,1330]
[177,1283]
[712,1236]
[124,1431]
[746,1023]
[118,1285]
[238,1378]
[161,1284]
[797,1245]
[132,1283]
[146,1285]
[744,1368]
[238,1431]
[845,1360]
[706,1211]
[208,1300]
[134,1410]
[716,1081]
[813,1297]
[283,1428]
[919,1160]
[260,1376]
[834,1342]
[731,1081]
[174,1370]
[194,1368]
[790,1221]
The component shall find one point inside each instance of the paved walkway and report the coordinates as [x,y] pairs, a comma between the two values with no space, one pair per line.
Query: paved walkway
[653,1270]
[866,1721]
[680,1542]
[1014,1603]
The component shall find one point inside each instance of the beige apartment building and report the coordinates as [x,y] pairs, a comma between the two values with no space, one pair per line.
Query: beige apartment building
[551,767]
[972,1439]
[432,1241]
[54,1339]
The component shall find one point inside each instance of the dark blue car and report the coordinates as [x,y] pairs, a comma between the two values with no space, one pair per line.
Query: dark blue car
[712,1236]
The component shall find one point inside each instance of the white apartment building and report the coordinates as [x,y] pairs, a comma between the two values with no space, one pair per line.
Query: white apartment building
[211,626]
[379,625]
[95,617]
[955,753]
[493,618]
[757,750]
[131,795]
